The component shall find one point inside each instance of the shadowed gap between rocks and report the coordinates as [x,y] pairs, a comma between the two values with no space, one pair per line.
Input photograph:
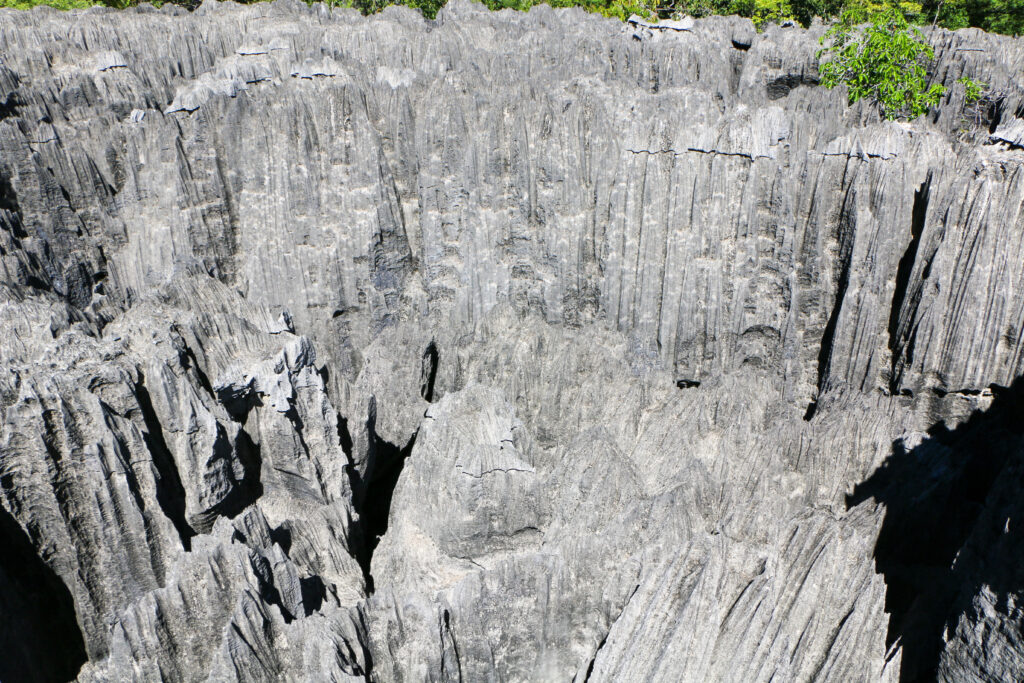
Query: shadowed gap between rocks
[9,106]
[428,372]
[190,362]
[373,490]
[245,492]
[40,640]
[312,589]
[845,238]
[313,592]
[783,85]
[451,660]
[9,199]
[935,496]
[170,493]
[238,404]
[604,640]
[898,342]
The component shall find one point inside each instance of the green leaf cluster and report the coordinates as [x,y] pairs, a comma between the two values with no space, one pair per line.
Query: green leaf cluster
[995,16]
[999,16]
[884,61]
[83,4]
[973,90]
[58,4]
[619,9]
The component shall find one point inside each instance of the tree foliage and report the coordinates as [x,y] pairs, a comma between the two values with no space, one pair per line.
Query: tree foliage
[58,4]
[1000,16]
[996,16]
[884,61]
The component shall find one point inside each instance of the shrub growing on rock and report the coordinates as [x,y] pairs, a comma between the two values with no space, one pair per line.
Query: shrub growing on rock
[884,61]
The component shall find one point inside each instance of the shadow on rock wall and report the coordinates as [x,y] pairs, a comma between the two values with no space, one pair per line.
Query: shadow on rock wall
[952,525]
[39,636]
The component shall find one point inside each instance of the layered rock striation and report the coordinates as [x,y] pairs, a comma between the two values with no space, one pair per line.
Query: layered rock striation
[506,346]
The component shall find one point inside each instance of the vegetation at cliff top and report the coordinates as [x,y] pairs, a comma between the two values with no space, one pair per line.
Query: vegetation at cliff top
[872,48]
[59,4]
[998,16]
[883,62]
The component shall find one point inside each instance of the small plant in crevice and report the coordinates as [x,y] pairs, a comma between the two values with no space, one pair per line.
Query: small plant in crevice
[981,106]
[978,104]
[883,61]
[973,90]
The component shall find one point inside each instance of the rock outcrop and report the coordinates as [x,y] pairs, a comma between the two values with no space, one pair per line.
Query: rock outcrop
[506,346]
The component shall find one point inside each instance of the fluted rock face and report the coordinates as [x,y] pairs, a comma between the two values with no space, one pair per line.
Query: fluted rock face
[501,347]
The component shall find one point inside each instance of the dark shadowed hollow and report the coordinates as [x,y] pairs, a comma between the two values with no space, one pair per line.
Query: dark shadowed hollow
[39,636]
[954,522]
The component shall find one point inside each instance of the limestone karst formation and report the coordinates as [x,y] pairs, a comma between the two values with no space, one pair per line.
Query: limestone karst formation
[502,347]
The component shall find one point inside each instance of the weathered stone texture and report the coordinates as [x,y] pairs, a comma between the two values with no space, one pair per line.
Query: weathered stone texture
[506,346]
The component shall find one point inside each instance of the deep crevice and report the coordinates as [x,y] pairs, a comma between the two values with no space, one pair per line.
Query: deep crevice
[37,283]
[367,654]
[239,402]
[313,593]
[950,526]
[9,198]
[345,437]
[428,372]
[847,231]
[9,106]
[828,335]
[189,360]
[445,632]
[282,535]
[170,493]
[593,660]
[372,492]
[942,393]
[897,341]
[268,592]
[995,115]
[40,639]
[13,223]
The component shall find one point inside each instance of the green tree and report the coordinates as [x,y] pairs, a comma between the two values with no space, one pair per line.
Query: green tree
[884,61]
[997,16]
[59,4]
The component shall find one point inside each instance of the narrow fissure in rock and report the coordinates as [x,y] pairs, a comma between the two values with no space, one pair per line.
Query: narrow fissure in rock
[428,372]
[847,230]
[897,344]
[170,493]
[372,493]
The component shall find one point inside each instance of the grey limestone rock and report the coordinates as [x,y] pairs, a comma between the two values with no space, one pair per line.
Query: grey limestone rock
[506,346]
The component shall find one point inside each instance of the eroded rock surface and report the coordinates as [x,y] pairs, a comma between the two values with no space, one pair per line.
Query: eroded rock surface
[501,347]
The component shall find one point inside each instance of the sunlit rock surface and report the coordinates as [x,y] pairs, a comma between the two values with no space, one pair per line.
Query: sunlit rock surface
[505,346]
